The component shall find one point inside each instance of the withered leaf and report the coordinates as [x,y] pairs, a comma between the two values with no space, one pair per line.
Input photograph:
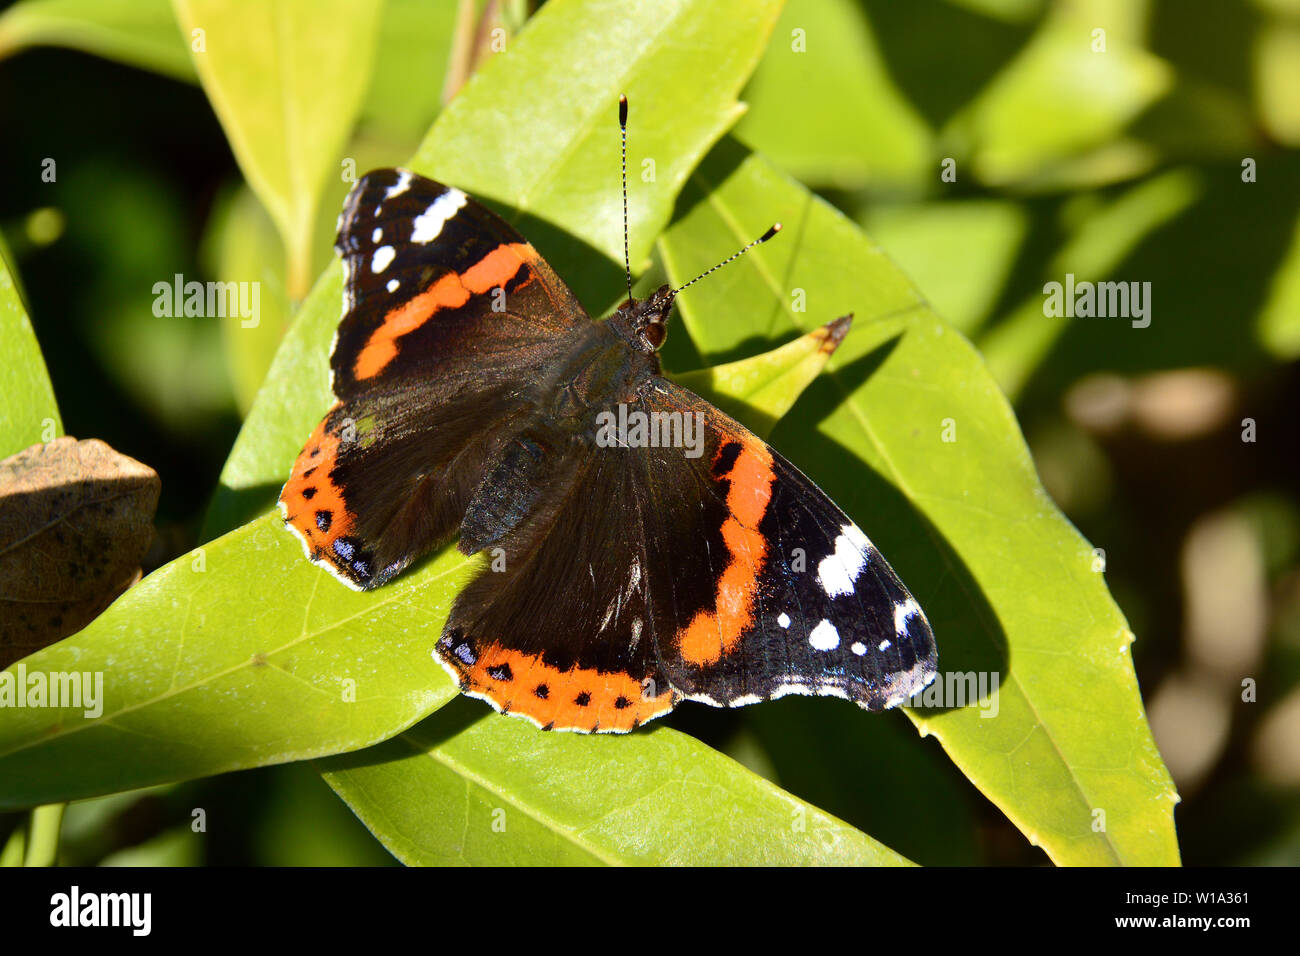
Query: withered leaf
[76,519]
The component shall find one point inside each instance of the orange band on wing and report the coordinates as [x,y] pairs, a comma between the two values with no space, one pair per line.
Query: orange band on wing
[581,699]
[710,635]
[451,291]
[313,504]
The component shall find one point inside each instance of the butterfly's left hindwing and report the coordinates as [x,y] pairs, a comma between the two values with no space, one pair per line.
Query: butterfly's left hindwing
[558,628]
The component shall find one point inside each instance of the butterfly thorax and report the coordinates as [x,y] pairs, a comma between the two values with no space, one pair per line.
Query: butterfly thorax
[606,364]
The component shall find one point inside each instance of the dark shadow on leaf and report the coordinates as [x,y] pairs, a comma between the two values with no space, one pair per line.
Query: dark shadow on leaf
[446,722]
[716,167]
[909,36]
[233,507]
[869,770]
[1221,55]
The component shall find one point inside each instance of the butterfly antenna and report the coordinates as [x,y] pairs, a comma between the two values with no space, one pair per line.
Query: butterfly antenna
[772,231]
[622,130]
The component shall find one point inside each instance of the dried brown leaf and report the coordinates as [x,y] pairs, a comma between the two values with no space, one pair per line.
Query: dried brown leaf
[76,518]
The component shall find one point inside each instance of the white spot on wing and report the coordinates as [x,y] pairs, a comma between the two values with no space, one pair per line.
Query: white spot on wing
[429,223]
[857,647]
[377,234]
[381,259]
[392,285]
[402,185]
[783,619]
[838,571]
[824,637]
[902,611]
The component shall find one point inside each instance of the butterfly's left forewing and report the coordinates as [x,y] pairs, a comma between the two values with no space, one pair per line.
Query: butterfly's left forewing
[765,585]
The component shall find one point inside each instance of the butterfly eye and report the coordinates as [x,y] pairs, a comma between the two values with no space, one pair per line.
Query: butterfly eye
[653,335]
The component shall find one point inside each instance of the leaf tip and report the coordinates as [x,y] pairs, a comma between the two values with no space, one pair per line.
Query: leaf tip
[832,333]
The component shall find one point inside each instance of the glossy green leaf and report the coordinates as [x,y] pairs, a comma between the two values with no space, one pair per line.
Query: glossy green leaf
[824,107]
[959,253]
[28,413]
[286,79]
[406,89]
[498,115]
[1065,95]
[681,64]
[760,389]
[138,32]
[1006,581]
[470,788]
[239,654]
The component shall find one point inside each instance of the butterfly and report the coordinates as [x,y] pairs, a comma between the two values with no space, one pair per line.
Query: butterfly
[643,548]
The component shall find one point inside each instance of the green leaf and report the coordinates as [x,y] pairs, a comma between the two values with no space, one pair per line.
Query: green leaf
[824,107]
[241,246]
[237,655]
[681,65]
[467,787]
[286,79]
[1016,345]
[960,253]
[1277,78]
[179,846]
[489,141]
[760,389]
[1061,97]
[141,33]
[1006,581]
[1278,324]
[28,413]
[414,46]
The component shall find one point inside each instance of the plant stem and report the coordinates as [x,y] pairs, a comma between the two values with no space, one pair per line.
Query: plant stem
[43,835]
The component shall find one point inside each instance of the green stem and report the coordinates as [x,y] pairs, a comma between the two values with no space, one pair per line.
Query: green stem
[43,835]
[15,846]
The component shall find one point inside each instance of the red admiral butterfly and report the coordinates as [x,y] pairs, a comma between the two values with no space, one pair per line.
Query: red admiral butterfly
[645,547]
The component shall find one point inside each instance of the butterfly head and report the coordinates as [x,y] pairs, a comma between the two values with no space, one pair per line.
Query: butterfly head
[644,322]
